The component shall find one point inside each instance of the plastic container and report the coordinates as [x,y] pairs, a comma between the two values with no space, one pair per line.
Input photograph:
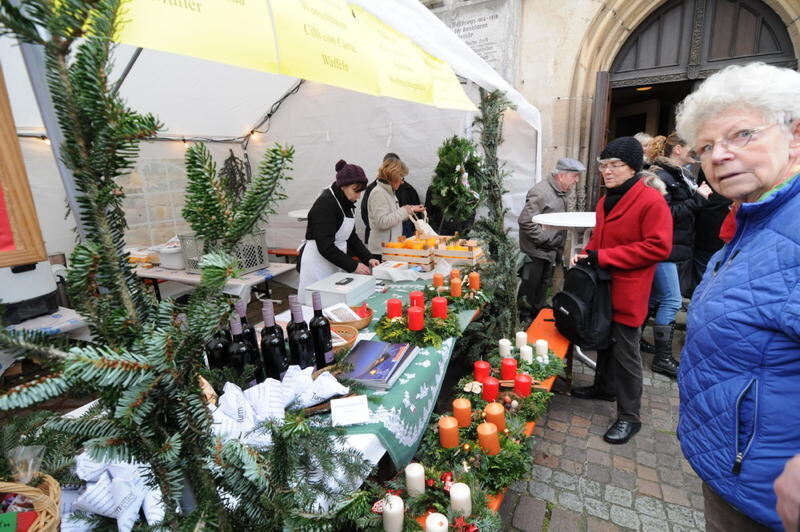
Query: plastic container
[171,258]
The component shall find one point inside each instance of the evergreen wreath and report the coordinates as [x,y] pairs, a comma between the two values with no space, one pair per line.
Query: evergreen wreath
[457,179]
[435,331]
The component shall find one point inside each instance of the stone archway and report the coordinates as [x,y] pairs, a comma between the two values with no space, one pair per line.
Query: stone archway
[615,21]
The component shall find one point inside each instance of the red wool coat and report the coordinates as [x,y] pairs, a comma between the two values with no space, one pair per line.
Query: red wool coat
[629,243]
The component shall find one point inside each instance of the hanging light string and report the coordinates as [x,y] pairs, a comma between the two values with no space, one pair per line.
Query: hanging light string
[243,140]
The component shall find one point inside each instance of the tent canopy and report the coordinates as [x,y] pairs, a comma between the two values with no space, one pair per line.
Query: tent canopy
[196,98]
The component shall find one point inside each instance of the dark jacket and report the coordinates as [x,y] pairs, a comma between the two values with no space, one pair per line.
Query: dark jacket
[708,221]
[442,225]
[683,204]
[534,240]
[324,219]
[630,240]
[406,195]
[739,399]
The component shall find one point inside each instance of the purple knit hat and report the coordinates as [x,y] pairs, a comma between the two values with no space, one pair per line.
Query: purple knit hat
[348,174]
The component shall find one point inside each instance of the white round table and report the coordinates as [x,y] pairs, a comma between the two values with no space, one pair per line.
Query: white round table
[573,222]
[300,214]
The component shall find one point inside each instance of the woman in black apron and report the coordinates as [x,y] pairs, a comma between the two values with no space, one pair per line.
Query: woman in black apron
[331,241]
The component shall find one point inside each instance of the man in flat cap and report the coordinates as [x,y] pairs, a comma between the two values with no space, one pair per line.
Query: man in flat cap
[543,247]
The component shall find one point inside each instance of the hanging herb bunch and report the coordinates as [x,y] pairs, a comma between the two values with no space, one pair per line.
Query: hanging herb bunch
[457,179]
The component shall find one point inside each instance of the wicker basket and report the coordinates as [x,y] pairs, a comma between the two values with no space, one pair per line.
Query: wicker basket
[348,332]
[251,252]
[359,323]
[46,499]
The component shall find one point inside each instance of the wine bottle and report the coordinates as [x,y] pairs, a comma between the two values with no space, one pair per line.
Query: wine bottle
[247,329]
[241,352]
[301,346]
[293,300]
[320,329]
[217,349]
[273,345]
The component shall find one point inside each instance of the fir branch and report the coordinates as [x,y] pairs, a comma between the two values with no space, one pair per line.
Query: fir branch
[34,391]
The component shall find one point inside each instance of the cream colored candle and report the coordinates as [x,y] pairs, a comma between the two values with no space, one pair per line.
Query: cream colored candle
[522,339]
[526,354]
[393,513]
[461,499]
[415,479]
[436,522]
[505,347]
[541,348]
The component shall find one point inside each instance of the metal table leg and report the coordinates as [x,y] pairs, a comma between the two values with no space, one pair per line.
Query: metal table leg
[583,358]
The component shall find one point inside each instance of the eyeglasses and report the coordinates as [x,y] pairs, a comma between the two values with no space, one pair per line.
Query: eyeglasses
[610,166]
[733,141]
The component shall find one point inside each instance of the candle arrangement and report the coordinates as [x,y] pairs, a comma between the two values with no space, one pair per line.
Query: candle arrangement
[420,324]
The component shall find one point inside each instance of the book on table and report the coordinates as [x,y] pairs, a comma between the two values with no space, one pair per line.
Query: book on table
[377,364]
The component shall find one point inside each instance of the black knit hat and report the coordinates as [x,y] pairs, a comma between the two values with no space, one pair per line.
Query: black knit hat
[348,174]
[626,149]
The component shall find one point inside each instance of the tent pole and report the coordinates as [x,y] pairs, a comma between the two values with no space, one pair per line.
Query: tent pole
[127,70]
[33,56]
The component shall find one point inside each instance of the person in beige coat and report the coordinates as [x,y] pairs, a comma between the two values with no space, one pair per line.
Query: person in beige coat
[386,216]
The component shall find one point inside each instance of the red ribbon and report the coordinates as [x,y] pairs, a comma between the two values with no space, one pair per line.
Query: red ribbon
[462,526]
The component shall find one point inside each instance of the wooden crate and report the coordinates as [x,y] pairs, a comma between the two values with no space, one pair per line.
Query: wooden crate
[414,257]
[472,255]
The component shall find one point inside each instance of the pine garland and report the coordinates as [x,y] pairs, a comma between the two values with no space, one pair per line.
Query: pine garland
[499,275]
[435,331]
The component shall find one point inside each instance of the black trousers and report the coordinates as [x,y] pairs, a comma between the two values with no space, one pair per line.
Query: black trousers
[536,276]
[722,517]
[619,370]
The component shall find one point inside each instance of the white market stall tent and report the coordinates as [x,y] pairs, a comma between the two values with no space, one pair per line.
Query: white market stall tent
[199,100]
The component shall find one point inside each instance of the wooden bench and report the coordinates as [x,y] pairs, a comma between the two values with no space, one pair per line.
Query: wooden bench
[285,253]
[543,328]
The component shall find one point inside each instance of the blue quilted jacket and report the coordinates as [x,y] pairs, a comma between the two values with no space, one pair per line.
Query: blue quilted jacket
[740,368]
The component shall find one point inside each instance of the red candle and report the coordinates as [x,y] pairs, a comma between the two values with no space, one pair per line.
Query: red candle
[522,385]
[439,307]
[491,389]
[416,318]
[455,287]
[394,308]
[474,281]
[416,299]
[438,280]
[481,369]
[508,368]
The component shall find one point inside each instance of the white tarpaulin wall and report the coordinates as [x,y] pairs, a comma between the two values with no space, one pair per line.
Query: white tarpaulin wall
[196,98]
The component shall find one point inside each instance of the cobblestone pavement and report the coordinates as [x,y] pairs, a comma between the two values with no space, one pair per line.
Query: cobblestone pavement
[581,483]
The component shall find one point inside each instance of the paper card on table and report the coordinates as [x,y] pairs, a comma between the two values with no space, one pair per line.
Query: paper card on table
[349,411]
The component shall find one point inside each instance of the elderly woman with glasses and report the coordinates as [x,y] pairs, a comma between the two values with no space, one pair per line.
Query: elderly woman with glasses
[632,234]
[739,376]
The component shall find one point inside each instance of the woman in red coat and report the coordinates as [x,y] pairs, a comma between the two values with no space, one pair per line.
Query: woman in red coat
[633,233]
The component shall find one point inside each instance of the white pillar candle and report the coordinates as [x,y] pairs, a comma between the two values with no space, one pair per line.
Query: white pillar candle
[393,513]
[505,347]
[460,499]
[526,354]
[541,348]
[436,522]
[522,339]
[415,479]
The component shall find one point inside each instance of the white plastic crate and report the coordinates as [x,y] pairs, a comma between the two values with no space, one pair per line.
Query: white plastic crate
[251,252]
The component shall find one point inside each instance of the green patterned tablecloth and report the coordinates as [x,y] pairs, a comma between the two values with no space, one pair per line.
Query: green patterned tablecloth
[400,415]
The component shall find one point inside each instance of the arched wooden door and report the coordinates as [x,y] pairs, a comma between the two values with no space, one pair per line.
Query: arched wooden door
[679,44]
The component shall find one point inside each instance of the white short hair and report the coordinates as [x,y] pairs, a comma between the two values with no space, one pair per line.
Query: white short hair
[773,92]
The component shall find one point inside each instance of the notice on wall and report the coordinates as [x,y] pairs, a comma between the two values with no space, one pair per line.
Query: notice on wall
[489,27]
